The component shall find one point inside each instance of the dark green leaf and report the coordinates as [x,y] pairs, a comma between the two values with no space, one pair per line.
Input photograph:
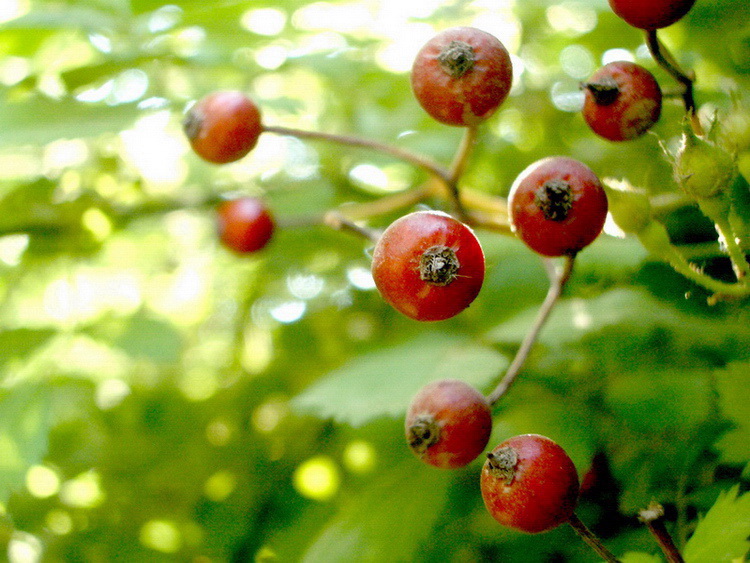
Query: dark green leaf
[386,522]
[732,385]
[383,382]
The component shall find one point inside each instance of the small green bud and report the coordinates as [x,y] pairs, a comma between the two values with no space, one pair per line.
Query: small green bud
[703,170]
[630,207]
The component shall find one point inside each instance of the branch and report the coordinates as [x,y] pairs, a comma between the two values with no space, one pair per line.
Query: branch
[591,539]
[653,517]
[665,60]
[558,280]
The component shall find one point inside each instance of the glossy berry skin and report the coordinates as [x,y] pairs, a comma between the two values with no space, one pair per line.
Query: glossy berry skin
[428,265]
[529,483]
[622,101]
[448,424]
[245,224]
[557,206]
[461,76]
[223,127]
[651,14]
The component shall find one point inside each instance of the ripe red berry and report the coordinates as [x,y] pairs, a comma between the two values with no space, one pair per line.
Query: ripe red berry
[428,265]
[557,206]
[529,483]
[651,14]
[223,126]
[448,423]
[461,76]
[622,101]
[245,224]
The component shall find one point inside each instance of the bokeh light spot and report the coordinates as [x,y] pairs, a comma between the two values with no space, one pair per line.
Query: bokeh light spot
[317,478]
[359,456]
[42,482]
[161,535]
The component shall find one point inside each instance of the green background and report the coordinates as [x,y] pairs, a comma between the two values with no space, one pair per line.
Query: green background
[164,399]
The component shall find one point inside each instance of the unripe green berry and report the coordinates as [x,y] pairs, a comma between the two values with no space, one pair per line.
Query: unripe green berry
[734,129]
[630,207]
[703,170]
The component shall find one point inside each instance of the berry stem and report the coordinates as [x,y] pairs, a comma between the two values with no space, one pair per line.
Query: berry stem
[591,539]
[665,60]
[558,279]
[656,240]
[461,158]
[735,252]
[457,168]
[337,221]
[386,204]
[653,517]
[419,161]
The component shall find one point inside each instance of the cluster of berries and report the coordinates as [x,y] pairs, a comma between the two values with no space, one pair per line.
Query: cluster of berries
[430,266]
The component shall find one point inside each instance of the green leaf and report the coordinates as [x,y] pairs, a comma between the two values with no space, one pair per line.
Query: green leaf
[39,120]
[534,409]
[386,522]
[732,388]
[639,557]
[20,342]
[630,309]
[671,401]
[55,16]
[383,382]
[574,318]
[722,534]
[24,428]
[150,338]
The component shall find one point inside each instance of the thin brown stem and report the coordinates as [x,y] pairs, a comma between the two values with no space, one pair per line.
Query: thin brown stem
[591,539]
[337,221]
[653,517]
[402,154]
[665,60]
[457,168]
[461,158]
[386,204]
[558,280]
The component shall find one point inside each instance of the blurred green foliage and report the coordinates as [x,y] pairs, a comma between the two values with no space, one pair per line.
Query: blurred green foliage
[165,400]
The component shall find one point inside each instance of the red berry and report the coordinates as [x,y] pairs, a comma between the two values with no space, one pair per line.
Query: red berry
[448,423]
[245,224]
[529,483]
[557,206]
[428,265]
[623,101]
[651,14]
[461,76]
[223,126]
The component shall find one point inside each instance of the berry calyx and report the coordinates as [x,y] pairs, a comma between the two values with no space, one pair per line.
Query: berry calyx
[439,265]
[245,224]
[557,206]
[622,101]
[448,424]
[428,265]
[461,76]
[457,58]
[555,199]
[651,14]
[223,126]
[529,483]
